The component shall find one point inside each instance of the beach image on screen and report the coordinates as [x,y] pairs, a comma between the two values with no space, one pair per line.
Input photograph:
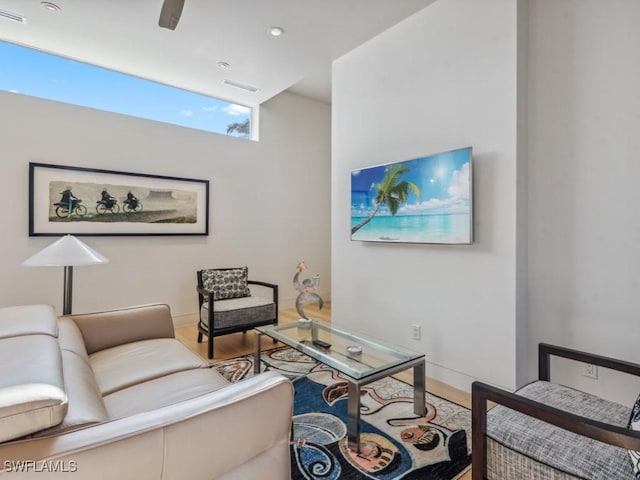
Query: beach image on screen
[423,200]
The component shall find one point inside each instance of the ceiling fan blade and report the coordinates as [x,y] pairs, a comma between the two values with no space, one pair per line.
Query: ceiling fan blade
[170,13]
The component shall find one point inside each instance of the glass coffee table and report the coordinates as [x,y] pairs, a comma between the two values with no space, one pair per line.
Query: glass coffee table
[360,359]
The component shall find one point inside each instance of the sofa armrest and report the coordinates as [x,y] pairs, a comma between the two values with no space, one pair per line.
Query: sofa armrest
[545,351]
[101,330]
[200,438]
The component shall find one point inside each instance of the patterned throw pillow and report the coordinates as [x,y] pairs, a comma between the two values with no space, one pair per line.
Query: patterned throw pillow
[227,283]
[634,424]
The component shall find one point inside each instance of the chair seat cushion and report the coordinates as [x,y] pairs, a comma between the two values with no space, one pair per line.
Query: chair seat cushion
[554,447]
[236,312]
[132,363]
[163,391]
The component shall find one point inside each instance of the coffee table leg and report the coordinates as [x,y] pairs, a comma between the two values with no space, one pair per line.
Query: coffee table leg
[353,417]
[256,358]
[419,405]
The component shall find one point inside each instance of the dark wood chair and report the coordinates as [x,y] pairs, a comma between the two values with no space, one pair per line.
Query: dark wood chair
[226,305]
[546,430]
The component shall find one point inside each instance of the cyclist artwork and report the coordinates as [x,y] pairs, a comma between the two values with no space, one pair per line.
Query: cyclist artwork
[131,203]
[107,204]
[69,204]
[85,201]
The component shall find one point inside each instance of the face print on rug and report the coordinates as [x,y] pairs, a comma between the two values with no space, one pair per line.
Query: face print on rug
[377,454]
[413,447]
[314,433]
[388,405]
[426,436]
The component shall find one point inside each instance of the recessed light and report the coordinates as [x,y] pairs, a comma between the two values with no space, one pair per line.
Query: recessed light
[52,7]
[276,31]
[223,65]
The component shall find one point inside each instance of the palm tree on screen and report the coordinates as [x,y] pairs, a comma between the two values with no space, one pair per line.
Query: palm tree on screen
[392,191]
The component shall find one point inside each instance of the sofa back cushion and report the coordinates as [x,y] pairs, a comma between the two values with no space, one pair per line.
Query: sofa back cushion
[226,282]
[27,320]
[102,330]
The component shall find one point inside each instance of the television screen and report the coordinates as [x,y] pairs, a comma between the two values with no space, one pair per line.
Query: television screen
[424,200]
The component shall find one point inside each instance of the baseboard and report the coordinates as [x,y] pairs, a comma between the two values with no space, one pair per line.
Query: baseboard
[188,319]
[453,378]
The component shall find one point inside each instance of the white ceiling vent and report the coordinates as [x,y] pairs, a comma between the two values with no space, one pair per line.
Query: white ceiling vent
[248,88]
[12,16]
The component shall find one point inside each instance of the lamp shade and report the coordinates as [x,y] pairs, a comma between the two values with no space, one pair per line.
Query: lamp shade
[67,251]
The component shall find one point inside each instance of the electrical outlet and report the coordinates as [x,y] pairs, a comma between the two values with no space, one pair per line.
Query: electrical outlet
[590,371]
[415,332]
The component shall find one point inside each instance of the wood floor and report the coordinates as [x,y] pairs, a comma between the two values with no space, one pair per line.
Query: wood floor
[238,344]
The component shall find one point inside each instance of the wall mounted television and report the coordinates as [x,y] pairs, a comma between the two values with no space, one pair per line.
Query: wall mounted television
[423,200]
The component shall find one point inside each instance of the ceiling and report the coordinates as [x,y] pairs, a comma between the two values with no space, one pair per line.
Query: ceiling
[124,35]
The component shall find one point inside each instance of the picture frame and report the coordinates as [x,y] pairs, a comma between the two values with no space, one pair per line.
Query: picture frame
[97,202]
[422,200]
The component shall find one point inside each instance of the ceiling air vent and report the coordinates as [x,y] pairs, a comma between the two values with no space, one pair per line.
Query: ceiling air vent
[248,88]
[12,16]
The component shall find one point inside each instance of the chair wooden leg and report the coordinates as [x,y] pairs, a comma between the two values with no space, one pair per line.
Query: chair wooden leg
[199,337]
[210,349]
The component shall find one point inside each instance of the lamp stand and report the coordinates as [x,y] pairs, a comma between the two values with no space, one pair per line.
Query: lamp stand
[66,252]
[68,290]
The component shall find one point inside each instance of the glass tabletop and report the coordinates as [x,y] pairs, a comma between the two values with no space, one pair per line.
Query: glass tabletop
[369,357]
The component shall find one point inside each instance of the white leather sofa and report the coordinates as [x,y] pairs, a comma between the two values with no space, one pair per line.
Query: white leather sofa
[114,395]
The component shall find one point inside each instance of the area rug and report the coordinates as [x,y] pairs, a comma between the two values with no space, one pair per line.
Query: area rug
[395,443]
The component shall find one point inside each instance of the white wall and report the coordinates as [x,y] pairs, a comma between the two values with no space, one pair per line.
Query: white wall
[546,93]
[264,211]
[442,79]
[584,226]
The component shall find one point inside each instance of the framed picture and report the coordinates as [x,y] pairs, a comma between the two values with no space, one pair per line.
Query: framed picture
[423,200]
[85,201]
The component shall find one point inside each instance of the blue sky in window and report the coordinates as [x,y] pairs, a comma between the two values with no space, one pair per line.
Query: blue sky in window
[38,74]
[444,180]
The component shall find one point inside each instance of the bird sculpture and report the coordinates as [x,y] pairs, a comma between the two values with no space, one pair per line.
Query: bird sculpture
[306,288]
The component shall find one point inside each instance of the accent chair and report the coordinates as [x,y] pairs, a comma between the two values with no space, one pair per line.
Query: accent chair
[226,304]
[545,430]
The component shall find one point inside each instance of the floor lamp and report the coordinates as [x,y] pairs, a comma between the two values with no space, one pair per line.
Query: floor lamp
[67,252]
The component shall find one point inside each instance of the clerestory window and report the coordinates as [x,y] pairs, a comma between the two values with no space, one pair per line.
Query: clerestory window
[38,74]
